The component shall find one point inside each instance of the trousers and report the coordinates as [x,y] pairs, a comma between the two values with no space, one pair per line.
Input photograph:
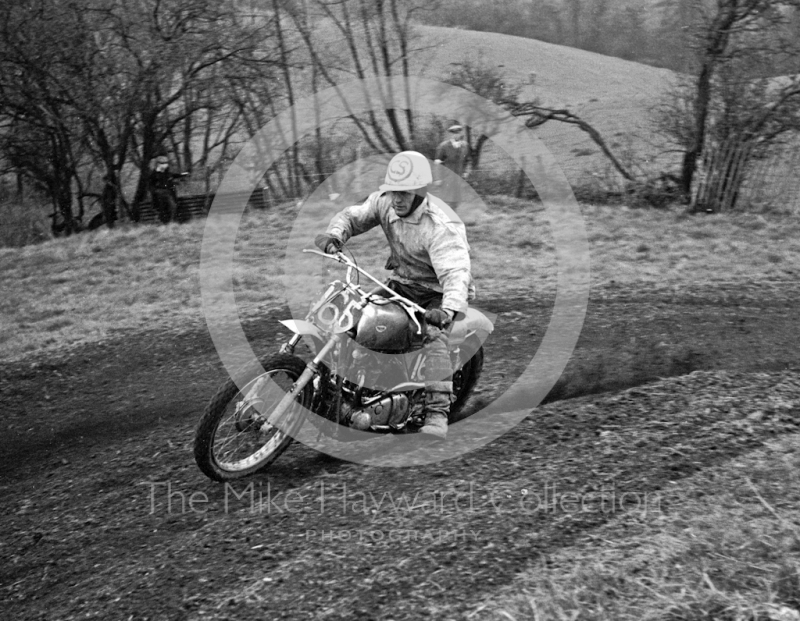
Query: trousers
[165,205]
[438,368]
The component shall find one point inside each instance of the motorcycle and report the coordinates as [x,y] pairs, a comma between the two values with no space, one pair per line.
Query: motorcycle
[366,377]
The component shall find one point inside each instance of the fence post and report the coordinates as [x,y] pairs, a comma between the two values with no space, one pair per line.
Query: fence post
[719,172]
[740,158]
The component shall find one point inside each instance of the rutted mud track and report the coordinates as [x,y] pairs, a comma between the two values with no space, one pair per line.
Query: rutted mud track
[93,441]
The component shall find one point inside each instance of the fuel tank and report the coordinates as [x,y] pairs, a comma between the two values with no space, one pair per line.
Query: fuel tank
[385,326]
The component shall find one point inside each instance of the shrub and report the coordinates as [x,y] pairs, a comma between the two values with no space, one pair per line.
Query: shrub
[608,189]
[23,222]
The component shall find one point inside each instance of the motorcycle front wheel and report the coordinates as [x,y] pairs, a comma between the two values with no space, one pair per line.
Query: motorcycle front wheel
[233,438]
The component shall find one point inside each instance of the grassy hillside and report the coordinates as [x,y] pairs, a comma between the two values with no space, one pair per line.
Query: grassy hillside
[588,83]
[87,287]
[614,95]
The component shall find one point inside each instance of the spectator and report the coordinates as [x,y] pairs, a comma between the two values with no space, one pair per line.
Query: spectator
[452,154]
[162,190]
[109,201]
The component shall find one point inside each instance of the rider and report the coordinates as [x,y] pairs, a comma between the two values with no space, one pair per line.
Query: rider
[430,261]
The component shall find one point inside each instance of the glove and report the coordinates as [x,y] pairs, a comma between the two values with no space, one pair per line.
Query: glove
[438,317]
[328,244]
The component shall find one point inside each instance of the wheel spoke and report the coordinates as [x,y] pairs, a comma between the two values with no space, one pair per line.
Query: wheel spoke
[233,438]
[239,441]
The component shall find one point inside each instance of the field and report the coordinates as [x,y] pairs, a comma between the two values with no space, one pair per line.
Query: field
[658,480]
[102,384]
[612,94]
[89,287]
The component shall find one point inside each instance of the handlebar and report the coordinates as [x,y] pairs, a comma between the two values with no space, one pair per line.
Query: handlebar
[340,257]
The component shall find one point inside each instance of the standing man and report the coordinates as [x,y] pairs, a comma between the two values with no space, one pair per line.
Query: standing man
[162,190]
[430,262]
[452,154]
[109,201]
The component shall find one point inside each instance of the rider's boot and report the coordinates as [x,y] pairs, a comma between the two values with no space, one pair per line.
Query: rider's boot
[438,384]
[437,407]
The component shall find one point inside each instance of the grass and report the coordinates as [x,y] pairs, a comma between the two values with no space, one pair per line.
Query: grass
[669,249]
[612,94]
[96,283]
[86,287]
[615,96]
[725,546]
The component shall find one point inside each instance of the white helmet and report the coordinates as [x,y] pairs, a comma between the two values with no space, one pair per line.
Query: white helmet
[408,171]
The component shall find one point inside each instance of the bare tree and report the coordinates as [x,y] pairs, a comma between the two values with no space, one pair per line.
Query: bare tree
[575,9]
[39,124]
[673,34]
[375,38]
[731,90]
[105,84]
[538,115]
[485,79]
[597,31]
[179,49]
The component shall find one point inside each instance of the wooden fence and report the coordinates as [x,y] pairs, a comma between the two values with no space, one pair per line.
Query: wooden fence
[735,175]
[197,205]
[720,177]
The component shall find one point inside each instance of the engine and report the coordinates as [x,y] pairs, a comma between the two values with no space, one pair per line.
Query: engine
[390,410]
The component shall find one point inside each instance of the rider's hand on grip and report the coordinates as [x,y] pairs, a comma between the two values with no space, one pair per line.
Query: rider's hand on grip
[328,244]
[438,317]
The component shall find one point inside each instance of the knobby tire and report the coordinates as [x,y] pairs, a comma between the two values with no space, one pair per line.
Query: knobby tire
[209,426]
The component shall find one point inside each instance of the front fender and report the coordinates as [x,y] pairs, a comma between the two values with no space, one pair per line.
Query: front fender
[302,327]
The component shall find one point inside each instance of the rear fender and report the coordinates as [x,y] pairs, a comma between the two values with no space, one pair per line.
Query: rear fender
[475,323]
[468,333]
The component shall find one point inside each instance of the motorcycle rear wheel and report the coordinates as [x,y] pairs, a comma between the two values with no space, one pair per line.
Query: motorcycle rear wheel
[230,440]
[464,380]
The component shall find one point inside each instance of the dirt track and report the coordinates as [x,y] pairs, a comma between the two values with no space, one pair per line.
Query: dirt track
[94,440]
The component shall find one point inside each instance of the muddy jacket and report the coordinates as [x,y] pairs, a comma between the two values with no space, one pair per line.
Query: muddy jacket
[163,180]
[453,155]
[427,247]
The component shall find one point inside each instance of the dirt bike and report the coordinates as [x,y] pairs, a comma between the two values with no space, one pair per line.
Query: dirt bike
[366,377]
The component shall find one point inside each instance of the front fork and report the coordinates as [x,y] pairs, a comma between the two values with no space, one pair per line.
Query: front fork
[312,368]
[288,347]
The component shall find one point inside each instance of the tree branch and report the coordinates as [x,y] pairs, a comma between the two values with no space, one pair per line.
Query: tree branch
[539,115]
